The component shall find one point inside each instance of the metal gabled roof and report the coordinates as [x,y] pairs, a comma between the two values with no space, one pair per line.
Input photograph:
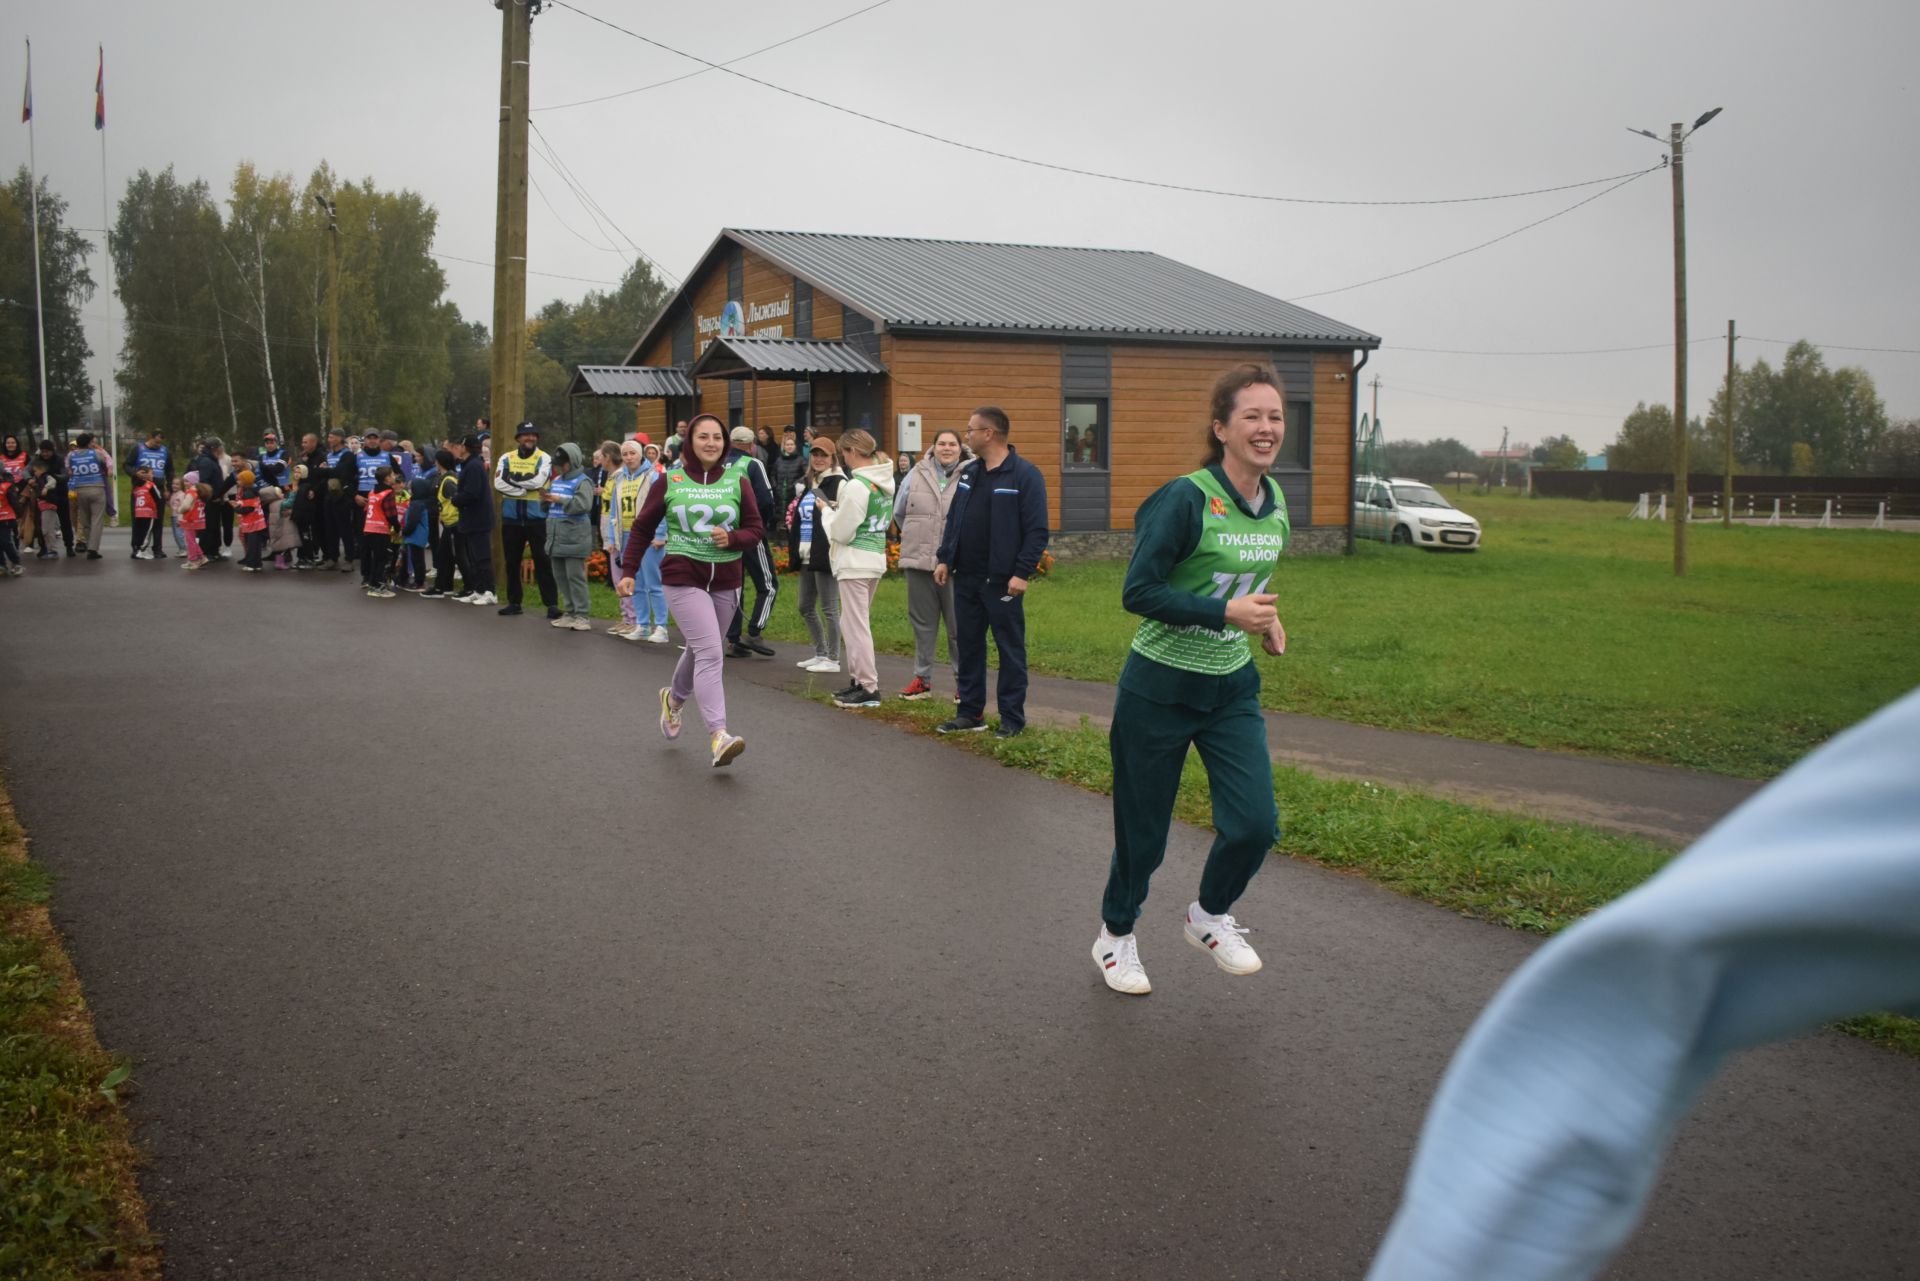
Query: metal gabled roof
[629,380]
[740,357]
[1039,289]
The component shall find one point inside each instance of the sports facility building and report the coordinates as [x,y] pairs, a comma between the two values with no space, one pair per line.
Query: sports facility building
[1102,358]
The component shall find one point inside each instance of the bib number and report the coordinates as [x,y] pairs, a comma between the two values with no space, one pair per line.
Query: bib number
[705,519]
[1234,586]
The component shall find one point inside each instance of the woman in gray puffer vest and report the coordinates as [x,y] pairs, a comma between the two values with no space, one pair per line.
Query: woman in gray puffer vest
[920,510]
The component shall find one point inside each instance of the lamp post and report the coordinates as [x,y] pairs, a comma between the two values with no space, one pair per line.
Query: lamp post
[1676,156]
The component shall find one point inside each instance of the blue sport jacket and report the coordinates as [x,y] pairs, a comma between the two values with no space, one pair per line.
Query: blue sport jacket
[1018,533]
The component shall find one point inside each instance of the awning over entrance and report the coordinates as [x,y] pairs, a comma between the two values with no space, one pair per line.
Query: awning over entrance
[642,381]
[782,358]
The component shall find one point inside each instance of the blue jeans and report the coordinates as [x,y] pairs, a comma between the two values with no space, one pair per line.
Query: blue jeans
[979,604]
[649,597]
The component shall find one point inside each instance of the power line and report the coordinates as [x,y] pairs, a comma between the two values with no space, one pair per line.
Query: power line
[586,197]
[1070,169]
[1834,346]
[661,84]
[539,191]
[537,146]
[1322,293]
[1490,404]
[551,275]
[1586,351]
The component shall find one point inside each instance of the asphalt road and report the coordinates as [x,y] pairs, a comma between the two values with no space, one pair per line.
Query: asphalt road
[438,962]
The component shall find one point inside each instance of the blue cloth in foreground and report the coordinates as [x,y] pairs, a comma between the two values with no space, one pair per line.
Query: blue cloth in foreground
[1546,1136]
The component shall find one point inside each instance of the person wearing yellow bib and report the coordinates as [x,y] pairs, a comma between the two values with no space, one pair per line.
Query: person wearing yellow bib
[1205,547]
[709,518]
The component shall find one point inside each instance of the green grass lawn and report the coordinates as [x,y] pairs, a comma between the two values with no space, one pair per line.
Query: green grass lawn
[1568,630]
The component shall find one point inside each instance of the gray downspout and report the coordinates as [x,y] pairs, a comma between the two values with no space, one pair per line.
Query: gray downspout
[1353,409]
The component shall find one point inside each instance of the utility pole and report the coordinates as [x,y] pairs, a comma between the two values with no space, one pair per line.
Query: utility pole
[333,308]
[1679,352]
[508,397]
[1376,399]
[1676,156]
[1503,458]
[1726,506]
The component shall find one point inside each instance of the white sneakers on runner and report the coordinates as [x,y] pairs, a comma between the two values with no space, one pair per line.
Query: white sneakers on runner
[1119,962]
[1222,938]
[1118,959]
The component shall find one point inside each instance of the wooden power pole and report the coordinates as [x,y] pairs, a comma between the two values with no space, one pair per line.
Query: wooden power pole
[1677,144]
[333,309]
[508,398]
[1726,504]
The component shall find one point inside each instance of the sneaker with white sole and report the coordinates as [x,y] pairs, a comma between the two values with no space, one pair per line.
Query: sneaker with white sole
[483,598]
[669,714]
[824,666]
[1221,937]
[579,624]
[726,747]
[806,664]
[1119,962]
[630,634]
[658,636]
[560,622]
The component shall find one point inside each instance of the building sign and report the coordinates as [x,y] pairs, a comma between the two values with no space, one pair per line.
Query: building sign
[735,321]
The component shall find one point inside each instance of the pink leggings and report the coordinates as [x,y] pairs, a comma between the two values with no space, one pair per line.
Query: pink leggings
[703,617]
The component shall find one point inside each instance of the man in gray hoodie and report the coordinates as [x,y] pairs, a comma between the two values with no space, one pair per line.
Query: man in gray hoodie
[569,496]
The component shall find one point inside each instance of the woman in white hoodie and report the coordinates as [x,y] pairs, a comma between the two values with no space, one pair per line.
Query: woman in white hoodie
[857,533]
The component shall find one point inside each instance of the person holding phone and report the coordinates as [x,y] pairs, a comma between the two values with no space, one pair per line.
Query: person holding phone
[710,518]
[1205,548]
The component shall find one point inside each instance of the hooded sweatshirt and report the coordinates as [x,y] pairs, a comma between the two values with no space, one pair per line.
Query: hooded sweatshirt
[684,571]
[570,511]
[860,521]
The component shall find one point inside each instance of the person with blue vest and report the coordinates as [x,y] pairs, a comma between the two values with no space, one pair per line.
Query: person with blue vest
[570,496]
[158,460]
[995,533]
[338,484]
[521,474]
[272,462]
[89,472]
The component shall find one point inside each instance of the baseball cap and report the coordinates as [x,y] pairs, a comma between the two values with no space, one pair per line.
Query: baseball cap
[742,435]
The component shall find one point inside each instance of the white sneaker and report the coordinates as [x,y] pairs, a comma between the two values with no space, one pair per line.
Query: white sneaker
[824,665]
[630,634]
[484,598]
[579,624]
[658,636]
[1221,937]
[620,629]
[1119,962]
[726,747]
[806,664]
[562,621]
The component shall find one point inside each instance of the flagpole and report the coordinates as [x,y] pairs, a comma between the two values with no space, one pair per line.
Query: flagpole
[33,186]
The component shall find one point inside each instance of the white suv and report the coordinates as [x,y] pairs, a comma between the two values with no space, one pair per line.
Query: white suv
[1397,510]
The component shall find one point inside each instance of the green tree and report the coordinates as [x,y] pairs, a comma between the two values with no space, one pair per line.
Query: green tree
[1836,413]
[1430,460]
[598,330]
[470,379]
[65,287]
[1897,453]
[1645,442]
[1560,453]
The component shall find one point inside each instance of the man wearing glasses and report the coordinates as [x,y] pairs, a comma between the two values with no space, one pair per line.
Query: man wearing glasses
[995,533]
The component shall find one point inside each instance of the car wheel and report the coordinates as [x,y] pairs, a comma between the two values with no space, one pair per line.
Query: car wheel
[1402,536]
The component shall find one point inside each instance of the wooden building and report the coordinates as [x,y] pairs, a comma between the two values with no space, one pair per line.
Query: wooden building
[1102,359]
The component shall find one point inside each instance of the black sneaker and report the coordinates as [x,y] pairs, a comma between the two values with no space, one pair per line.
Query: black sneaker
[1004,730]
[93,555]
[857,697]
[962,725]
[737,650]
[508,611]
[758,646]
[552,613]
[432,593]
[848,692]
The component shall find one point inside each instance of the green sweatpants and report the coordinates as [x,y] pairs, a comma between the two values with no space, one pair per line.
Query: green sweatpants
[1149,742]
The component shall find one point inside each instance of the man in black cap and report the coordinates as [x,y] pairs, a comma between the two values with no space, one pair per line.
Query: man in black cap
[522,475]
[336,482]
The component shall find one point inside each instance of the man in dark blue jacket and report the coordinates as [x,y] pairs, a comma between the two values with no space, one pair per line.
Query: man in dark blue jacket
[996,531]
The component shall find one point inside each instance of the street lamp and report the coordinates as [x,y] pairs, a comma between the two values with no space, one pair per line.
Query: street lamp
[1675,143]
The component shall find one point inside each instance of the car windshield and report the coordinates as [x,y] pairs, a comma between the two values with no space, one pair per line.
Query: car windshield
[1419,496]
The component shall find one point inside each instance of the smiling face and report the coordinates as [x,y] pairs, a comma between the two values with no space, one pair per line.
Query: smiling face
[708,443]
[1253,432]
[819,458]
[946,448]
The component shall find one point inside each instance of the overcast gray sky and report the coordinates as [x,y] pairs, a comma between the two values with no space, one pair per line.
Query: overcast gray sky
[1801,198]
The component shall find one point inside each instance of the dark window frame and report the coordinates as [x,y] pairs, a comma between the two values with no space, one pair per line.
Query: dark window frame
[1302,434]
[1103,420]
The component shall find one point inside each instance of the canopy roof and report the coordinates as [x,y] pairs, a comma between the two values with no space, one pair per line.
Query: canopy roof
[787,358]
[643,381]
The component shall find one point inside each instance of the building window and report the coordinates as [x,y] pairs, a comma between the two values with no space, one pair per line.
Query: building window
[1296,451]
[1083,436]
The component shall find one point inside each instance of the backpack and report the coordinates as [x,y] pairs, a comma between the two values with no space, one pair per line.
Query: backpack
[449,514]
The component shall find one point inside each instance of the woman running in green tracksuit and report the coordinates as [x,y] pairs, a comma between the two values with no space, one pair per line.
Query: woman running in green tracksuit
[1204,547]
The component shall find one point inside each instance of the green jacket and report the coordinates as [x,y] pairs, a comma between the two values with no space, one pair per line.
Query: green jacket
[570,521]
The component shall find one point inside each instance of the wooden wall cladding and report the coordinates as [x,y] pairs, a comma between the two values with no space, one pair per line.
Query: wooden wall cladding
[1158,417]
[945,379]
[1333,424]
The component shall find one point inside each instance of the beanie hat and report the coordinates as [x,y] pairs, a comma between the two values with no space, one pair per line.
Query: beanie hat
[244,477]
